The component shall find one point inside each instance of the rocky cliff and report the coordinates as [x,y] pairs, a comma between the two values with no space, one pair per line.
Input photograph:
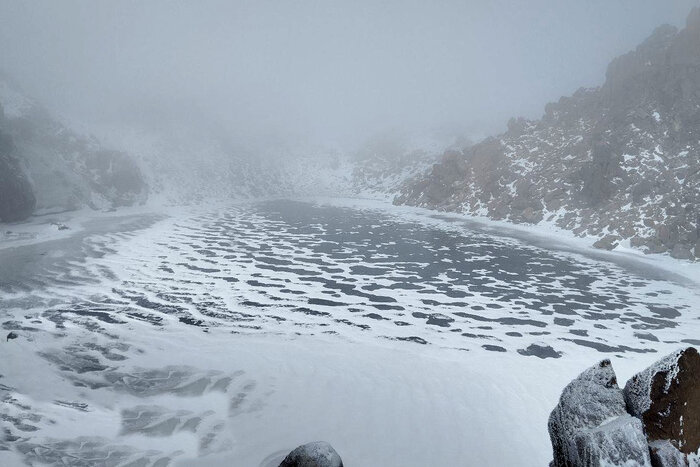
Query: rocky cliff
[620,162]
[17,200]
[46,166]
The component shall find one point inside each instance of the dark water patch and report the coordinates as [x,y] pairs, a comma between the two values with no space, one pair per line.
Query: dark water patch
[564,322]
[256,283]
[605,348]
[647,336]
[416,339]
[477,336]
[664,312]
[508,321]
[383,307]
[293,292]
[368,271]
[192,267]
[254,304]
[350,323]
[310,311]
[191,321]
[540,351]
[274,261]
[375,316]
[324,302]
[434,319]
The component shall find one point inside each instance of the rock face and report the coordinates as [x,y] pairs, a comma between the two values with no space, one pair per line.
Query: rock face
[666,397]
[67,171]
[621,160]
[590,425]
[316,454]
[17,200]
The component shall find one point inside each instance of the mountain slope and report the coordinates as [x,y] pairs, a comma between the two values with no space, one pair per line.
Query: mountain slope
[621,161]
[55,168]
[17,200]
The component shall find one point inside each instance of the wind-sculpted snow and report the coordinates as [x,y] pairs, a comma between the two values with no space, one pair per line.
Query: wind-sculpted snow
[131,333]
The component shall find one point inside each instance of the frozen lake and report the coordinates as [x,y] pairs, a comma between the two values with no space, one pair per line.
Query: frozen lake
[235,332]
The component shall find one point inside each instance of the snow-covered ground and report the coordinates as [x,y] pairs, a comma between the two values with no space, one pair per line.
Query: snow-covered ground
[229,334]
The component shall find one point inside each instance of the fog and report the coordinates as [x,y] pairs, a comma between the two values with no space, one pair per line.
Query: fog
[324,72]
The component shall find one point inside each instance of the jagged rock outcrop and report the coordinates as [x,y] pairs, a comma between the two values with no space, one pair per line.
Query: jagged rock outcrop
[666,397]
[590,425]
[17,200]
[316,454]
[654,421]
[67,171]
[621,160]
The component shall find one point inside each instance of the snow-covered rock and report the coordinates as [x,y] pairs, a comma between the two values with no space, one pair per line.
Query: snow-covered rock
[621,160]
[666,397]
[316,454]
[665,454]
[590,425]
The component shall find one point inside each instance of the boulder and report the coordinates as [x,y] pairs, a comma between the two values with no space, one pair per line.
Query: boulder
[316,454]
[590,425]
[681,251]
[666,398]
[608,242]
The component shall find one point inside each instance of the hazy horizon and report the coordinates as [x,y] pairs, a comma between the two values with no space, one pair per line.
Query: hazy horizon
[324,72]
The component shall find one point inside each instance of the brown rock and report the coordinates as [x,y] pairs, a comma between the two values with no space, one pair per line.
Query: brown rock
[609,242]
[666,397]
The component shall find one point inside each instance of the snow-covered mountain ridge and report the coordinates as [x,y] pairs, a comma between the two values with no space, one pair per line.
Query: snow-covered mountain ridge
[620,162]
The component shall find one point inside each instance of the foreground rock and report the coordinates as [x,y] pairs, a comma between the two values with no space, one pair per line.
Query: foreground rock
[590,425]
[316,454]
[666,397]
[620,162]
[654,421]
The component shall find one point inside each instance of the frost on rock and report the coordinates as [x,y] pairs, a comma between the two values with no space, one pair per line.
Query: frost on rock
[619,442]
[316,454]
[665,454]
[590,426]
[666,397]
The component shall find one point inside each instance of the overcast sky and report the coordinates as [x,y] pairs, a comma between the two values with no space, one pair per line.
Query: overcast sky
[327,70]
